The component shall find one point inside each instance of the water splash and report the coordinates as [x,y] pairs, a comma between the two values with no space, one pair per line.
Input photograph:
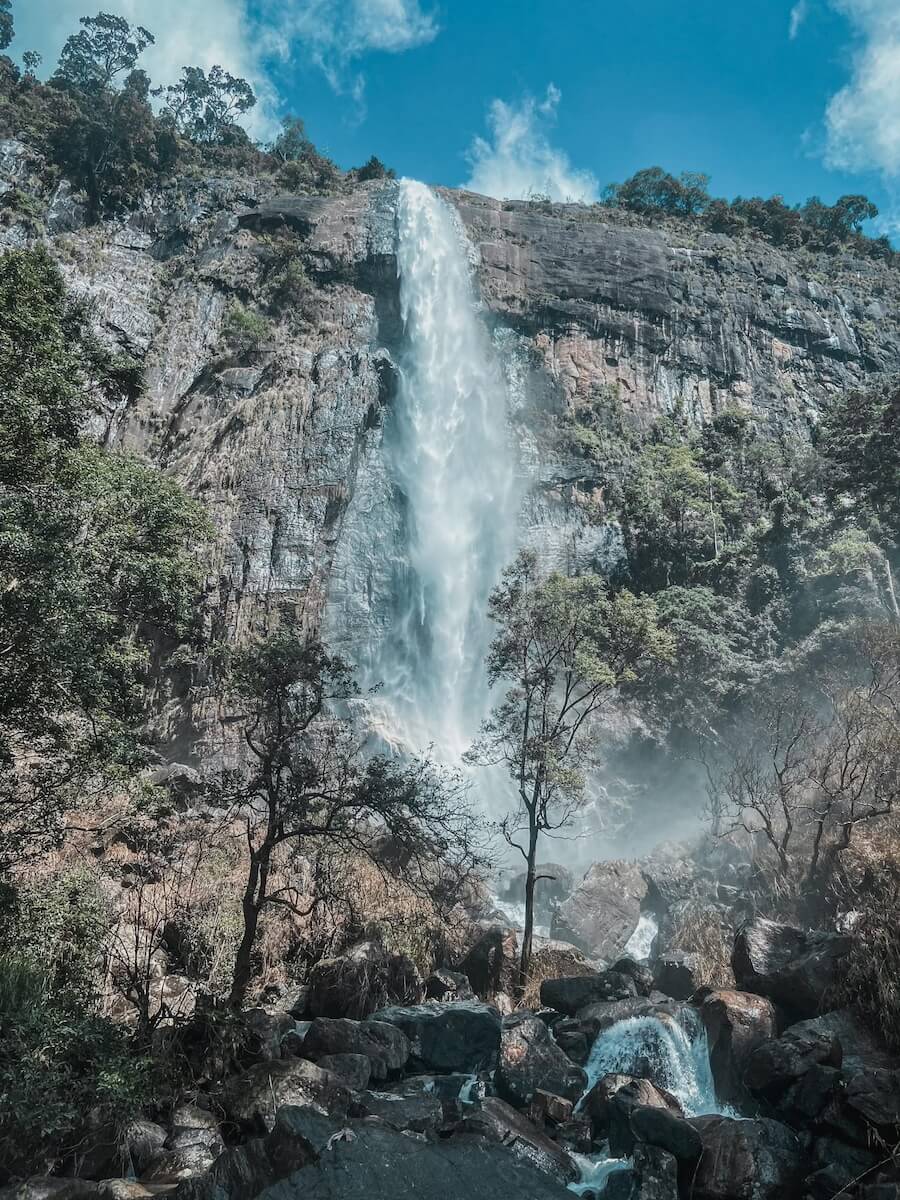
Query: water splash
[640,944]
[453,467]
[672,1053]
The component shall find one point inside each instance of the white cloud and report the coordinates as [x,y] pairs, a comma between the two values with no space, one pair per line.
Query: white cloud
[337,33]
[334,33]
[862,120]
[799,13]
[518,159]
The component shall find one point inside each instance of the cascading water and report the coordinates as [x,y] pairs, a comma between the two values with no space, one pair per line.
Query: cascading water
[453,467]
[672,1053]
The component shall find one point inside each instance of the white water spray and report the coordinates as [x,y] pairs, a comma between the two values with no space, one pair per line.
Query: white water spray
[674,1054]
[453,466]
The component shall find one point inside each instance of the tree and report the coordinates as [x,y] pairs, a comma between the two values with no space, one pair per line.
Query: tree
[655,190]
[106,47]
[562,646]
[98,560]
[206,106]
[110,144]
[7,31]
[306,784]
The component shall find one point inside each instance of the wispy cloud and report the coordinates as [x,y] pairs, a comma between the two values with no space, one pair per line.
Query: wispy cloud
[799,13]
[862,120]
[518,159]
[245,37]
[336,34]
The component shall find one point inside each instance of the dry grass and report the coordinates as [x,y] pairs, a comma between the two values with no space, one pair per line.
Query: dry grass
[699,930]
[867,892]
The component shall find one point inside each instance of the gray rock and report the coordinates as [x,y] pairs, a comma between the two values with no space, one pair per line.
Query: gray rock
[447,1038]
[383,1043]
[577,991]
[499,1122]
[793,967]
[746,1160]
[252,1099]
[531,1061]
[354,1069]
[603,911]
[736,1023]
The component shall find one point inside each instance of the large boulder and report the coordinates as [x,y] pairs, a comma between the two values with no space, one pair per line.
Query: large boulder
[653,1125]
[746,1160]
[611,1101]
[386,1046]
[252,1099]
[498,1121]
[575,992]
[653,1175]
[531,1061]
[309,1155]
[444,984]
[793,967]
[736,1023]
[492,963]
[603,911]
[354,1069]
[415,1110]
[677,975]
[364,979]
[448,1037]
[773,1066]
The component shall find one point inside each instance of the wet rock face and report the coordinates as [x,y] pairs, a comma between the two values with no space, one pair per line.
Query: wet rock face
[736,1024]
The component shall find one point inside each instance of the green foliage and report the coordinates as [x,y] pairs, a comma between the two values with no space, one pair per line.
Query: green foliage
[374,169]
[6,23]
[287,285]
[655,190]
[105,47]
[205,106]
[244,329]
[98,553]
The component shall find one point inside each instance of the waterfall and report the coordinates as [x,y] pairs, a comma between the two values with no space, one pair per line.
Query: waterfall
[453,469]
[640,944]
[671,1053]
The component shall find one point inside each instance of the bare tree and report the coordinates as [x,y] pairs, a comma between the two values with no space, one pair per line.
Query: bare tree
[306,781]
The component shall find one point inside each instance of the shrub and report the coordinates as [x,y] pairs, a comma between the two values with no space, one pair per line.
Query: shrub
[243,328]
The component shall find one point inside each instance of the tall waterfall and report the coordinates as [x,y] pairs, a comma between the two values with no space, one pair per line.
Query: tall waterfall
[453,467]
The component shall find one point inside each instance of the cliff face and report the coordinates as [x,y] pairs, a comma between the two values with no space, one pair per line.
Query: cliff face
[283,440]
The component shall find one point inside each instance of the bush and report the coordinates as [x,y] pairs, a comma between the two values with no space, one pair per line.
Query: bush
[243,328]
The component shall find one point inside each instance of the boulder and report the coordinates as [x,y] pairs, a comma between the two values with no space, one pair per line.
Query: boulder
[653,1125]
[444,984]
[575,992]
[574,1039]
[639,972]
[793,967]
[445,1038]
[602,1014]
[264,1033]
[492,963]
[653,1175]
[253,1098]
[677,975]
[531,1061]
[746,1160]
[386,1046]
[416,1110]
[499,1122]
[144,1141]
[774,1065]
[874,1094]
[193,1145]
[51,1187]
[364,979]
[603,911]
[736,1023]
[309,1155]
[354,1069]
[611,1101]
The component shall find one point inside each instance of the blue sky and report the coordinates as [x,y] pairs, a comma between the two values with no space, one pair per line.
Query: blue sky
[790,96]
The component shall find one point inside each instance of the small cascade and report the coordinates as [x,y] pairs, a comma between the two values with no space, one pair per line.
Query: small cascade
[640,944]
[672,1053]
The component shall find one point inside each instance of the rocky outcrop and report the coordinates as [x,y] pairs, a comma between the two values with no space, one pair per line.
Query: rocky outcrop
[794,967]
[530,1061]
[736,1024]
[448,1037]
[603,911]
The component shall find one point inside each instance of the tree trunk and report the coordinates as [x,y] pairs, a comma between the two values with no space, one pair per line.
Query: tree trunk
[528,930]
[252,903]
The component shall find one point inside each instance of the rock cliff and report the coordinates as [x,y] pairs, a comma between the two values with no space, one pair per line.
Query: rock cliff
[282,437]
